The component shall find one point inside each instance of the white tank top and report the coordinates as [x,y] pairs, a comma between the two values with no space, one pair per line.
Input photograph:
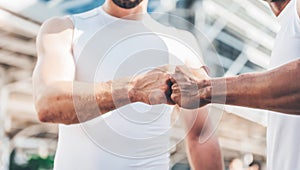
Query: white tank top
[135,136]
[283,138]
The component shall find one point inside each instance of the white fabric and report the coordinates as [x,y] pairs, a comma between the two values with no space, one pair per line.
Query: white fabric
[136,135]
[283,137]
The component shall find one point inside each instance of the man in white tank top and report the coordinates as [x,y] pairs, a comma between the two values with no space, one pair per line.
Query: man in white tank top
[277,90]
[87,67]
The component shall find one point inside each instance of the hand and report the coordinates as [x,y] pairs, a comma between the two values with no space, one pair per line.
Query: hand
[189,87]
[153,87]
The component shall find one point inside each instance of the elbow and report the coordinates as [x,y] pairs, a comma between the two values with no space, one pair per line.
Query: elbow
[42,109]
[48,116]
[54,104]
[46,106]
[42,103]
[43,116]
[51,110]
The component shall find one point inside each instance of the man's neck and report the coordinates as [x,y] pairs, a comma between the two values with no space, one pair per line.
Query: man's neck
[278,7]
[133,14]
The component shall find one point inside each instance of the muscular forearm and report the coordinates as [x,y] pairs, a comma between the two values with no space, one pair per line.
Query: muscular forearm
[205,156]
[74,102]
[202,145]
[277,90]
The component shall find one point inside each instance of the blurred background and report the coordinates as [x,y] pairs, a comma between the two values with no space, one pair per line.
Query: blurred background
[242,32]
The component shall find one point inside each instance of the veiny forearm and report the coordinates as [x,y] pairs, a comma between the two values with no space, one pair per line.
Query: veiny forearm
[74,102]
[276,90]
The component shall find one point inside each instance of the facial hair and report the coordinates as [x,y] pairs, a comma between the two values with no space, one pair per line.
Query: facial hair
[127,4]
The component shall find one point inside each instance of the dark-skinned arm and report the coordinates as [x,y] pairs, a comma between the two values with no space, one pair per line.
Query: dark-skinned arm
[276,90]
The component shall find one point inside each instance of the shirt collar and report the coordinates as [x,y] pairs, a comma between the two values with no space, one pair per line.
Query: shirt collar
[283,16]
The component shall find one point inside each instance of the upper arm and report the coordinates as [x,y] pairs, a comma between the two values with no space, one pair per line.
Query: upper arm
[54,48]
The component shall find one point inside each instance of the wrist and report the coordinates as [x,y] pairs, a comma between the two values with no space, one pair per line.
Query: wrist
[134,94]
[214,90]
[205,90]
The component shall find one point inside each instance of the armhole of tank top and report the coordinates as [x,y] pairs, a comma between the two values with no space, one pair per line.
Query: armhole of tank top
[72,18]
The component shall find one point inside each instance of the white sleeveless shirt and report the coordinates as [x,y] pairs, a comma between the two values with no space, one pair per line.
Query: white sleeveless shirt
[135,136]
[283,138]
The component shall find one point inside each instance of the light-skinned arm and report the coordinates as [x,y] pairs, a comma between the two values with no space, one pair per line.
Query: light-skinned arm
[202,144]
[61,99]
[201,155]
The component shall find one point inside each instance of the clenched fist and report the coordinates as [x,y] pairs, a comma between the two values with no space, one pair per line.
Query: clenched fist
[153,87]
[190,87]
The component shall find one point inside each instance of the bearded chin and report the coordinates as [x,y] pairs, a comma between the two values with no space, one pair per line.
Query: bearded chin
[127,4]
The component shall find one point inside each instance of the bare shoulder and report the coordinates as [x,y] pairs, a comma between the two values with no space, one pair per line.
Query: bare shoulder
[56,25]
[54,32]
